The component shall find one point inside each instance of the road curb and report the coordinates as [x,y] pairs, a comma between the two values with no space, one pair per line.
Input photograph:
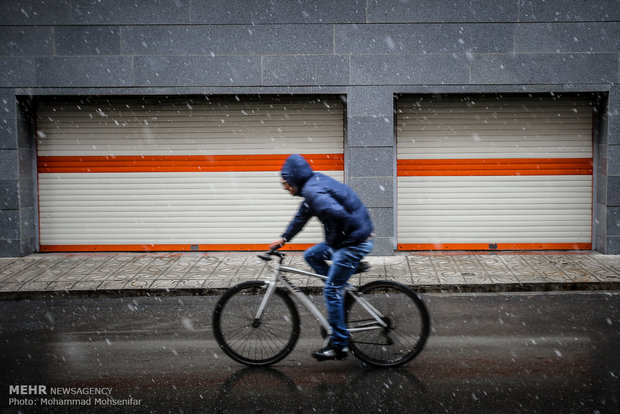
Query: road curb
[316,290]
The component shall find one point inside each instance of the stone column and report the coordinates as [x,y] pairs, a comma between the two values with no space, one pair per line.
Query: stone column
[370,158]
[608,178]
[18,212]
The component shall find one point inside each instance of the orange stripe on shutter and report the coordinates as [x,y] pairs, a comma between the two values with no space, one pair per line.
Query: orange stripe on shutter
[494,246]
[494,167]
[180,163]
[165,247]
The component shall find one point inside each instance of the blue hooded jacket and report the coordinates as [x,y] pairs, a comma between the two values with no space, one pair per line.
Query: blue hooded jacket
[345,218]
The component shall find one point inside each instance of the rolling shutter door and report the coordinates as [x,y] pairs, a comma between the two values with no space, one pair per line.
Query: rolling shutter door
[494,173]
[183,174]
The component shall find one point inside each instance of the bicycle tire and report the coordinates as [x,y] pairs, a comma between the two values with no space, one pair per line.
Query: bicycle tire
[408,324]
[255,343]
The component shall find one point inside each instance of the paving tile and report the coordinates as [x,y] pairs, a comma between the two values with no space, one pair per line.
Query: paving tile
[575,273]
[62,270]
[191,275]
[86,285]
[445,266]
[225,271]
[314,282]
[112,285]
[477,280]
[217,280]
[190,284]
[138,284]
[136,264]
[545,265]
[164,284]
[404,279]
[123,276]
[604,268]
[254,261]
[419,259]
[97,275]
[61,285]
[110,267]
[504,279]
[33,286]
[469,266]
[216,283]
[421,268]
[245,278]
[395,278]
[19,277]
[451,279]
[252,272]
[57,277]
[528,278]
[28,269]
[185,264]
[232,262]
[376,273]
[516,264]
[555,278]
[144,274]
[494,266]
[10,286]
[609,278]
[6,261]
[85,267]
[604,273]
[157,267]
[65,266]
[23,263]
[588,278]
[397,266]
[425,280]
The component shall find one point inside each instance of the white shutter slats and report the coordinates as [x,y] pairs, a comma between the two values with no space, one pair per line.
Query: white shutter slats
[171,207]
[452,207]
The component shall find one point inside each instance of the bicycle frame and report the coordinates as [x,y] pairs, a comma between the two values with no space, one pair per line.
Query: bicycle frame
[311,307]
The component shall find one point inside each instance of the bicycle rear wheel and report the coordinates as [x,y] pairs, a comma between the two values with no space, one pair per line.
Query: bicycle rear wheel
[404,313]
[254,341]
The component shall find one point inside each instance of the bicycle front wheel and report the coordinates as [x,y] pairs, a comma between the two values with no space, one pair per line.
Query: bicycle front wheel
[251,340]
[405,319]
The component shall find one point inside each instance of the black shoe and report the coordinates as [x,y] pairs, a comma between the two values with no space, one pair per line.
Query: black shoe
[362,267]
[330,352]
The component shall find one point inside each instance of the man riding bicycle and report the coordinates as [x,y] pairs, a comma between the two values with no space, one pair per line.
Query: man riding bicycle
[348,238]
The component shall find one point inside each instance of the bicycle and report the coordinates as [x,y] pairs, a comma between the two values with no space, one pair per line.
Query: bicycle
[257,323]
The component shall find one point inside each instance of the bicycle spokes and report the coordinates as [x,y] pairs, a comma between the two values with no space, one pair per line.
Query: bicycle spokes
[394,337]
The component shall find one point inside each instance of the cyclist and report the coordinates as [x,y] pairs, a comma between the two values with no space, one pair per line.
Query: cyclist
[348,238]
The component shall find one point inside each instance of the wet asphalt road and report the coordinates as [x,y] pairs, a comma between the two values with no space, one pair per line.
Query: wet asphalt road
[488,353]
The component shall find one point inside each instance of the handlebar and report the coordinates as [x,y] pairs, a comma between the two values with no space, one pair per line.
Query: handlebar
[273,252]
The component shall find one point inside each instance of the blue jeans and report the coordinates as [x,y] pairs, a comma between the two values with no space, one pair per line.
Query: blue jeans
[344,264]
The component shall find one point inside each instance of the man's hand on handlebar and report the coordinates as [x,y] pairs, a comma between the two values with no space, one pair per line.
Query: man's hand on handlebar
[277,244]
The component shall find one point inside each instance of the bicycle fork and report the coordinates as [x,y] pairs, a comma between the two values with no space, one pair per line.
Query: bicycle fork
[271,287]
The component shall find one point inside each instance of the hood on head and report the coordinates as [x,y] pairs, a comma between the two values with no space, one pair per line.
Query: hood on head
[296,171]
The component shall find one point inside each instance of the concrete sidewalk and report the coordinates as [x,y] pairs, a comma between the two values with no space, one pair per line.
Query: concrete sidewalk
[210,273]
